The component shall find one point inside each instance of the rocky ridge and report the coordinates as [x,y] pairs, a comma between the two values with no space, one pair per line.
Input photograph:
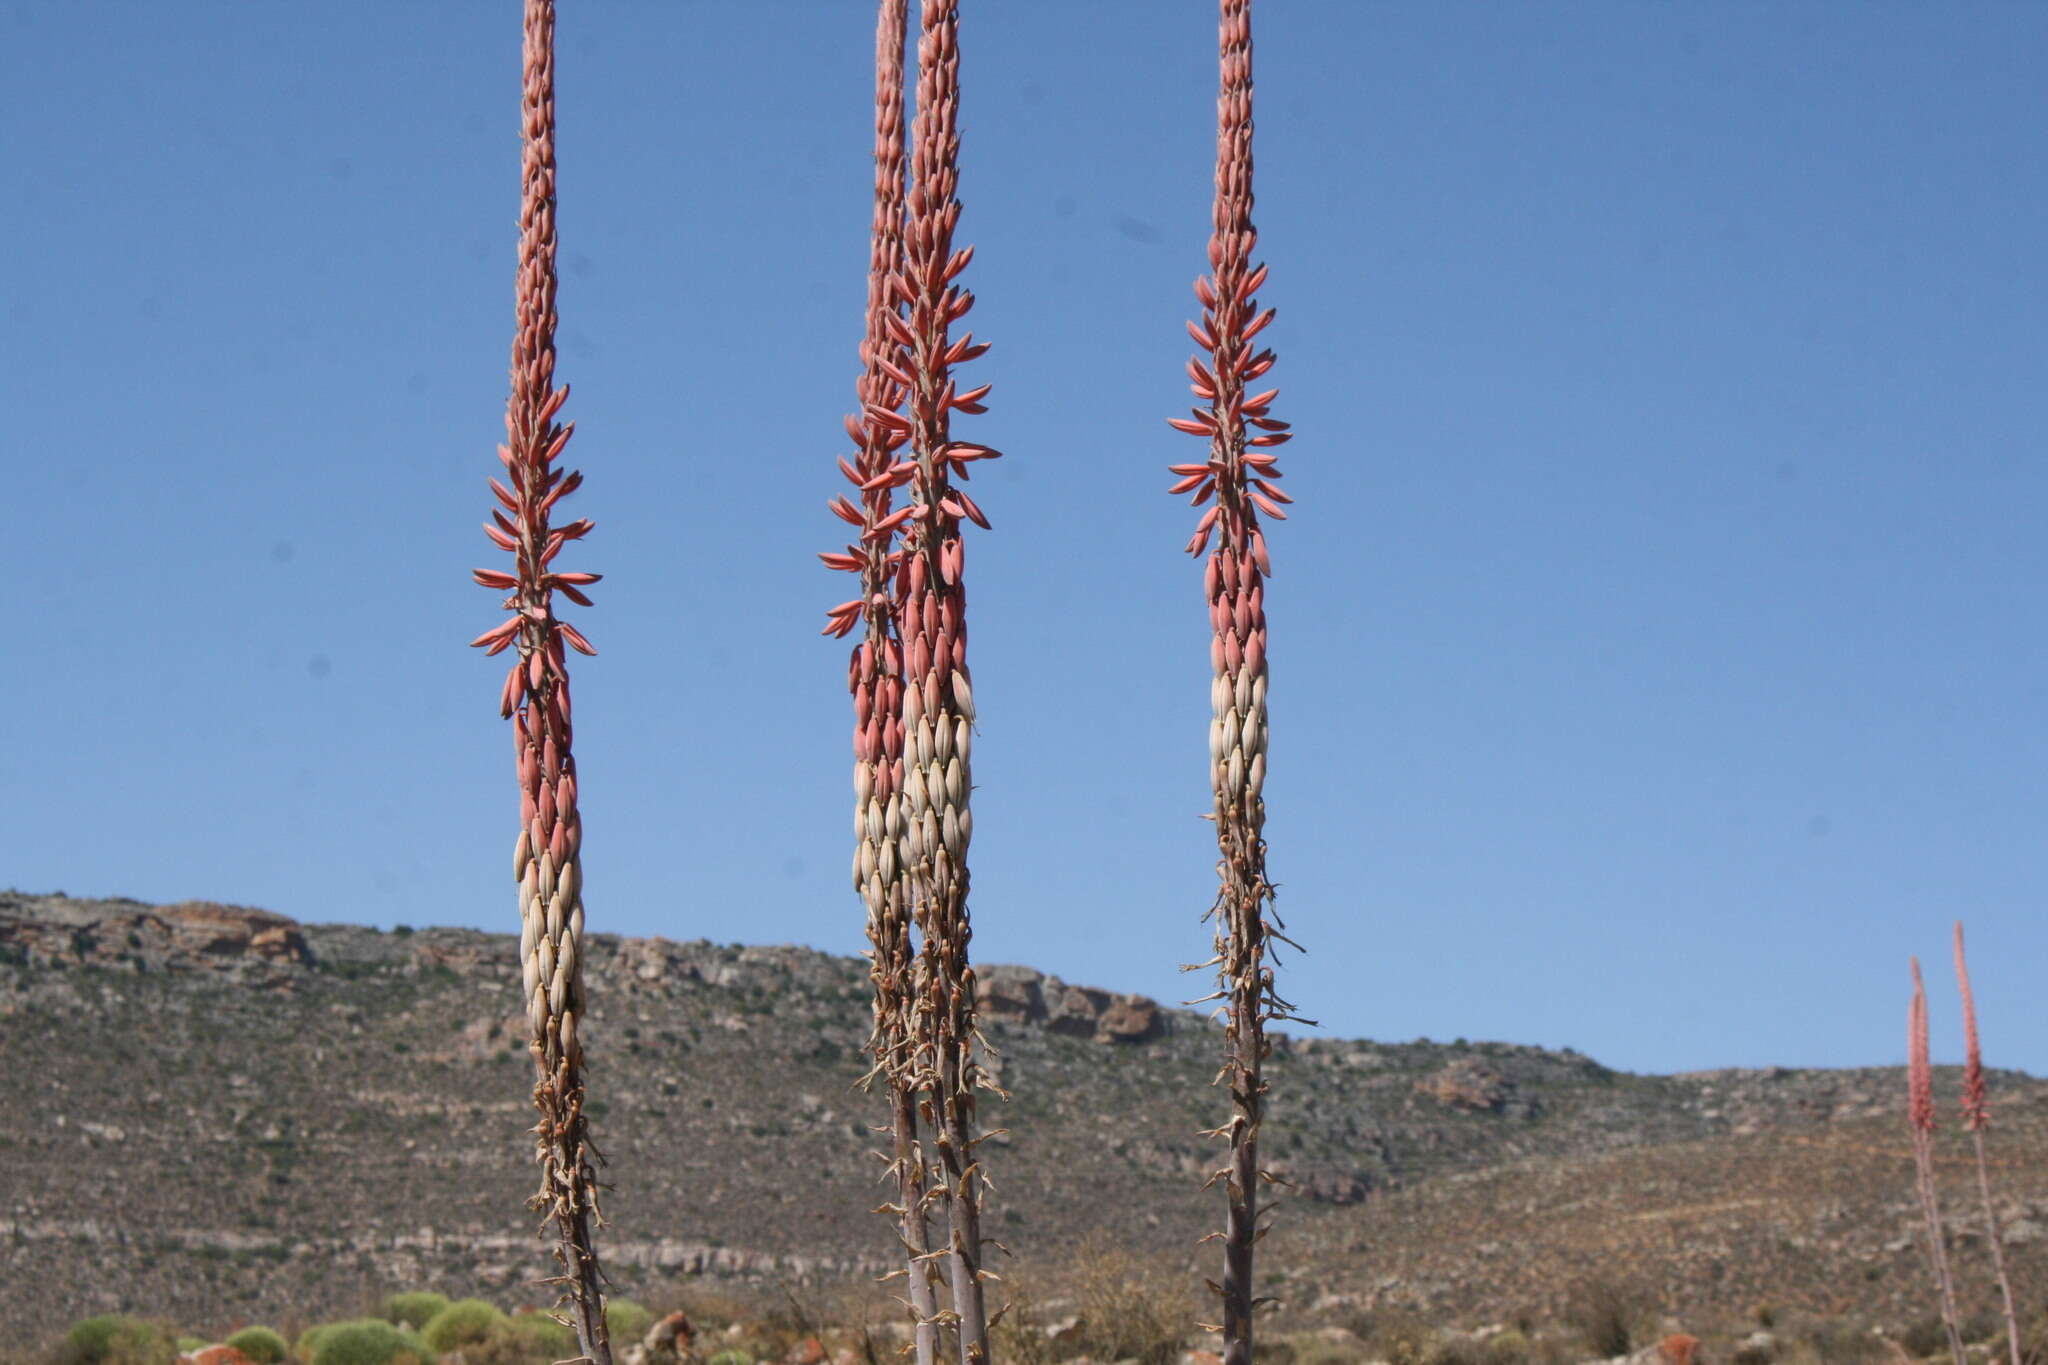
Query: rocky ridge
[218,1109]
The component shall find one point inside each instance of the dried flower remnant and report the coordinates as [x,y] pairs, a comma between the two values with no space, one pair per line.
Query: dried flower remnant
[1977,1119]
[1240,479]
[875,677]
[1920,1116]
[546,859]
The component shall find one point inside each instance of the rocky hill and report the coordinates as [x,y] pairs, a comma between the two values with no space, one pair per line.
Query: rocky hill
[218,1113]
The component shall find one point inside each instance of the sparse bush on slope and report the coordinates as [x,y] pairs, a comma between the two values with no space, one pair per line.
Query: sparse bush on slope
[1129,1310]
[466,1322]
[115,1339]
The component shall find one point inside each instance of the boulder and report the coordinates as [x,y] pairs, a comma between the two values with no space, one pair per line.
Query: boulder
[1075,1010]
[1129,1019]
[1003,991]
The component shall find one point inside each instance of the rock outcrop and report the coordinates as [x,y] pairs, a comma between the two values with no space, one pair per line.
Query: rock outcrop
[53,931]
[1025,996]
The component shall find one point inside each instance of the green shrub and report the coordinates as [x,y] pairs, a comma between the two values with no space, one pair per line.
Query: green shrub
[91,1338]
[466,1322]
[731,1358]
[369,1341]
[627,1322]
[187,1345]
[417,1308]
[114,1339]
[260,1344]
[527,1339]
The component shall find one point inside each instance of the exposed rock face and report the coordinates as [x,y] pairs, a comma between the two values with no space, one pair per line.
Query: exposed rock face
[1007,992]
[192,935]
[1472,1086]
[1129,1019]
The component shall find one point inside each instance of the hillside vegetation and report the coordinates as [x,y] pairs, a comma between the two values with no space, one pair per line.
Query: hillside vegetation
[217,1116]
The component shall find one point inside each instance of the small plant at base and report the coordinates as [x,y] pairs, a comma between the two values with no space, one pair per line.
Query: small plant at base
[260,1344]
[466,1322]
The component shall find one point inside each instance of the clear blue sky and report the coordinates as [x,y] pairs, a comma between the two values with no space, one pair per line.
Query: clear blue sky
[1657,645]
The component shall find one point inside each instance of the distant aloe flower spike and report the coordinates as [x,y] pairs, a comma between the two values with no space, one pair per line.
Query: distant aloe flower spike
[1920,1116]
[875,677]
[1977,1119]
[1240,480]
[1976,1113]
[938,699]
[1919,1069]
[546,859]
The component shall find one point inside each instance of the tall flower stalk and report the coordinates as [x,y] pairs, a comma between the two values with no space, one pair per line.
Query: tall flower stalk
[546,858]
[938,698]
[1977,1119]
[881,875]
[1239,480]
[1920,1115]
